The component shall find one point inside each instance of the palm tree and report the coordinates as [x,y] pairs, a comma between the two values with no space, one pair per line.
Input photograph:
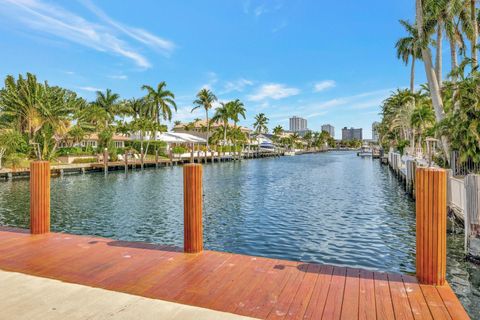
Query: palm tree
[135,108]
[409,47]
[108,102]
[205,100]
[260,124]
[223,114]
[42,112]
[278,130]
[433,84]
[421,118]
[161,101]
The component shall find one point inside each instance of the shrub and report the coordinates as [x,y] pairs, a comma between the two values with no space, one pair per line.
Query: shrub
[84,160]
[178,150]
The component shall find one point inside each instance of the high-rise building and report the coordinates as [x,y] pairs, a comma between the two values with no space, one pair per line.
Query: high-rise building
[375,136]
[351,134]
[298,124]
[329,129]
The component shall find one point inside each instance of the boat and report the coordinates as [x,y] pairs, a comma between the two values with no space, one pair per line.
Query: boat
[289,153]
[365,151]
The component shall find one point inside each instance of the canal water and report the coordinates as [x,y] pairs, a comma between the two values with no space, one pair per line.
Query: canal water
[333,208]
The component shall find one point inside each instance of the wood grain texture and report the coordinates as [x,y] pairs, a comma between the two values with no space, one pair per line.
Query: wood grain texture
[192,213]
[431,210]
[253,286]
[39,197]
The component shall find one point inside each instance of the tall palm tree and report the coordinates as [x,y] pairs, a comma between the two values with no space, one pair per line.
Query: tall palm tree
[433,84]
[474,34]
[161,101]
[260,124]
[409,47]
[421,118]
[237,109]
[108,102]
[223,114]
[135,108]
[205,100]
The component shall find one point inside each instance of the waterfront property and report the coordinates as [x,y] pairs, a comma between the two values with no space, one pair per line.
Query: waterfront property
[252,209]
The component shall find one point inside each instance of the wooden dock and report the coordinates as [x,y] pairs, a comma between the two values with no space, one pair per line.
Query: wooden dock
[252,286]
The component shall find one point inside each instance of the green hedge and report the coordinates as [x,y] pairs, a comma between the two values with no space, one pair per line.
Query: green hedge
[85,160]
[178,150]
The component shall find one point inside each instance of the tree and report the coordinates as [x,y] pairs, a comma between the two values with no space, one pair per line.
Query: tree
[260,124]
[108,102]
[42,112]
[278,130]
[430,72]
[205,100]
[223,114]
[408,48]
[160,102]
[11,143]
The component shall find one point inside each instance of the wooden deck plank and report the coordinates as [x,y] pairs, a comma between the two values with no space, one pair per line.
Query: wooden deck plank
[280,310]
[333,307]
[302,298]
[266,295]
[320,293]
[453,305]
[350,308]
[418,304]
[366,300]
[383,298]
[435,303]
[401,304]
[252,286]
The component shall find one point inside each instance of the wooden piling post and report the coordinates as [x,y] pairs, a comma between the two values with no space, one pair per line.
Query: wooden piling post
[192,213]
[39,197]
[125,154]
[105,159]
[156,158]
[431,209]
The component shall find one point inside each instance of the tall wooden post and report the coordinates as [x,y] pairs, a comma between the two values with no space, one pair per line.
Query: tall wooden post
[156,158]
[126,159]
[431,208]
[105,159]
[192,212]
[39,197]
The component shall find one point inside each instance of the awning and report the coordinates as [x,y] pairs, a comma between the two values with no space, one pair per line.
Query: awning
[173,137]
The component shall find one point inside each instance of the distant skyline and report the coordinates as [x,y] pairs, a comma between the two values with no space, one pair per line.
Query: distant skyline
[328,62]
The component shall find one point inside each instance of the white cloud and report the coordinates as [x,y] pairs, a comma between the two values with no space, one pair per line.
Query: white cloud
[274,91]
[118,77]
[259,10]
[323,85]
[143,36]
[236,85]
[212,79]
[57,21]
[90,89]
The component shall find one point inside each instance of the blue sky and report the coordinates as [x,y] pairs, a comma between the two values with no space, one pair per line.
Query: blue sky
[329,61]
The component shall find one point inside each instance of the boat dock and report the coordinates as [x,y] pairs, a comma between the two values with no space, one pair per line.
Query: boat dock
[135,164]
[251,286]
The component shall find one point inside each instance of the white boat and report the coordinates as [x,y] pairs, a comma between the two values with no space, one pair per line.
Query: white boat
[366,151]
[289,153]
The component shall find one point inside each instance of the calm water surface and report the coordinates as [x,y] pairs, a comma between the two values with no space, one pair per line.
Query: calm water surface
[331,208]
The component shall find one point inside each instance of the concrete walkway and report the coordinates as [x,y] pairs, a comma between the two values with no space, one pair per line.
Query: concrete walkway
[28,297]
